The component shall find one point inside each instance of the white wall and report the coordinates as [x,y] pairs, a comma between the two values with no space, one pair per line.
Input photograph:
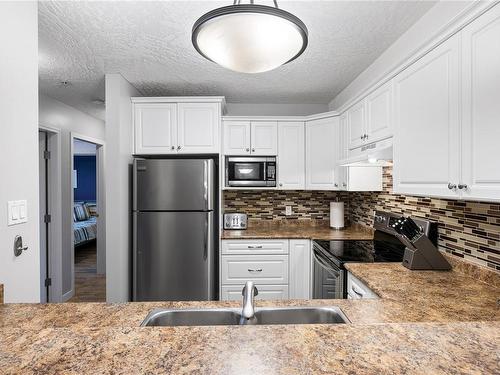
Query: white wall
[66,119]
[19,147]
[118,190]
[422,32]
[249,109]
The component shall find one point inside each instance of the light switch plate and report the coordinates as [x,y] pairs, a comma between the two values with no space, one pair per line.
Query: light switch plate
[288,210]
[17,212]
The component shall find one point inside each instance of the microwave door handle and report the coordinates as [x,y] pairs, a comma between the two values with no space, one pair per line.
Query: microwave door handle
[265,171]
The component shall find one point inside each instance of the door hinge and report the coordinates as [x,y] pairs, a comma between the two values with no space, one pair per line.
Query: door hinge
[47,218]
[48,281]
[46,155]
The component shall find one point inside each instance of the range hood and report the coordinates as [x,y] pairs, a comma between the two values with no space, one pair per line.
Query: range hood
[377,154]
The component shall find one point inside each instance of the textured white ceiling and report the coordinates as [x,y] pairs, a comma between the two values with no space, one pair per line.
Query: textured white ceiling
[149,44]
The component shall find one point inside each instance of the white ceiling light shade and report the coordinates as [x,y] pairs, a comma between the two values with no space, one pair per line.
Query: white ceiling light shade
[250,38]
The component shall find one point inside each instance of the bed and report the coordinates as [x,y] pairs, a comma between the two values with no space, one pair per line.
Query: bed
[84,222]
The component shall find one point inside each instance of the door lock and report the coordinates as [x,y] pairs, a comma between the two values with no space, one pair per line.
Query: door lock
[18,246]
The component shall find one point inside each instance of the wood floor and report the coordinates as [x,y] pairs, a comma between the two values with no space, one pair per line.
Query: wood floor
[89,286]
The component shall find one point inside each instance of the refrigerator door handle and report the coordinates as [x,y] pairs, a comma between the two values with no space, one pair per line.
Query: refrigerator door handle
[206,239]
[207,183]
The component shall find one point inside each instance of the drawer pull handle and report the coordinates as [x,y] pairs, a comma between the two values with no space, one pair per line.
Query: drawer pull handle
[255,247]
[255,270]
[355,291]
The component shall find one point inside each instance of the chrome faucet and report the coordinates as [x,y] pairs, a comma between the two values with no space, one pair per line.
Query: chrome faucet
[249,292]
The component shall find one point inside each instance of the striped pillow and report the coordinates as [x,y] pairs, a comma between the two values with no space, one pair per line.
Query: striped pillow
[80,212]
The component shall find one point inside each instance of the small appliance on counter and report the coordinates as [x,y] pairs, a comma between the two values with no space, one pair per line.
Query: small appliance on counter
[420,252]
[250,171]
[235,221]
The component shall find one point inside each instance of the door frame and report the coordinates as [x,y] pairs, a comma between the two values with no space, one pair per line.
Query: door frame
[54,205]
[100,200]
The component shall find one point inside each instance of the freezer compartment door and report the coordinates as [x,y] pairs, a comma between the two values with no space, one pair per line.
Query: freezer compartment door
[173,184]
[174,256]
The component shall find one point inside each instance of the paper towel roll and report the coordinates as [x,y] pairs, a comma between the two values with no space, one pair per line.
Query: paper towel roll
[337,215]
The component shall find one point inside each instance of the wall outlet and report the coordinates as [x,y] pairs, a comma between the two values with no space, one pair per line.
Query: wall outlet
[288,210]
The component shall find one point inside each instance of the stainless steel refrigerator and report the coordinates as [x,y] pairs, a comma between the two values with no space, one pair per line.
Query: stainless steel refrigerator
[175,230]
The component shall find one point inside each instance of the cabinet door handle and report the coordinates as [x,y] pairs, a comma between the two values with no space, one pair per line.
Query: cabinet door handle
[247,150]
[344,184]
[178,147]
[254,247]
[255,270]
[253,150]
[281,184]
[452,186]
[355,291]
[362,137]
[463,186]
[336,185]
[173,147]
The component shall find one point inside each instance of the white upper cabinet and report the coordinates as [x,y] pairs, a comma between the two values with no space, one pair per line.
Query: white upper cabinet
[264,137]
[198,130]
[176,125]
[237,137]
[426,144]
[356,117]
[251,138]
[291,155]
[155,128]
[321,153]
[370,120]
[481,107]
[379,114]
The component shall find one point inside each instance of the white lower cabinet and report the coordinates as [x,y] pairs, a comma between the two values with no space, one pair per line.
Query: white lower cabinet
[266,269]
[356,289]
[266,292]
[280,269]
[300,269]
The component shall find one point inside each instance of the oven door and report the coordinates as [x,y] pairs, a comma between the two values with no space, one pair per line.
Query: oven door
[328,279]
[246,171]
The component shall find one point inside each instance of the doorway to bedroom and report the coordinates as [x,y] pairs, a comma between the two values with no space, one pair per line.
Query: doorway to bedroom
[88,253]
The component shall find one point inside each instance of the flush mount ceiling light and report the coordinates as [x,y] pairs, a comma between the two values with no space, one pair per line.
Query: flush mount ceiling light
[249,38]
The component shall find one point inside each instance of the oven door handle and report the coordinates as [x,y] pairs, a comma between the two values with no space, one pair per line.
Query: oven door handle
[325,265]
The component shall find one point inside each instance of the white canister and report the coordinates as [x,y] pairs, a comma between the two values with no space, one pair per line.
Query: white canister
[337,215]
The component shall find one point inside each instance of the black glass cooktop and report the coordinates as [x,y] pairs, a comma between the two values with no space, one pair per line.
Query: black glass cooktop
[384,248]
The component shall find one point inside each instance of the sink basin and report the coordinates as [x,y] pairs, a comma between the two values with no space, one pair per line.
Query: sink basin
[194,317]
[266,315]
[300,315]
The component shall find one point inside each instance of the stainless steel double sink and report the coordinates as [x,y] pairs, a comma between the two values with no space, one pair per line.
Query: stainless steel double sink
[228,316]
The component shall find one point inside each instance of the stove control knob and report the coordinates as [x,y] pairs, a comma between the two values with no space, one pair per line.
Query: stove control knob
[379,219]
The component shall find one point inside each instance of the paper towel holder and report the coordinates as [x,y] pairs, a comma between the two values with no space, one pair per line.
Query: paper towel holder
[337,223]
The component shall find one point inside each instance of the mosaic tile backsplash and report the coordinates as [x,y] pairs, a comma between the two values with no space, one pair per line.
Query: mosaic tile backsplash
[270,204]
[469,230]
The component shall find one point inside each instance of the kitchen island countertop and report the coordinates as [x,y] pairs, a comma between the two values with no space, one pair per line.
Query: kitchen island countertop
[424,322]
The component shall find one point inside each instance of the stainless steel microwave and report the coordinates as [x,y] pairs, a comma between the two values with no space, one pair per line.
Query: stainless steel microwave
[251,171]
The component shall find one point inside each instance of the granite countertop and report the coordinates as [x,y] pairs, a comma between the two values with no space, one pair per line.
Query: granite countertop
[423,322]
[298,230]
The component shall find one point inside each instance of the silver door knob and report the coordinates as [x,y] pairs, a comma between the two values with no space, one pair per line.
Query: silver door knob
[336,185]
[281,184]
[253,150]
[247,150]
[344,184]
[462,186]
[173,147]
[362,137]
[178,147]
[451,186]
[366,136]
